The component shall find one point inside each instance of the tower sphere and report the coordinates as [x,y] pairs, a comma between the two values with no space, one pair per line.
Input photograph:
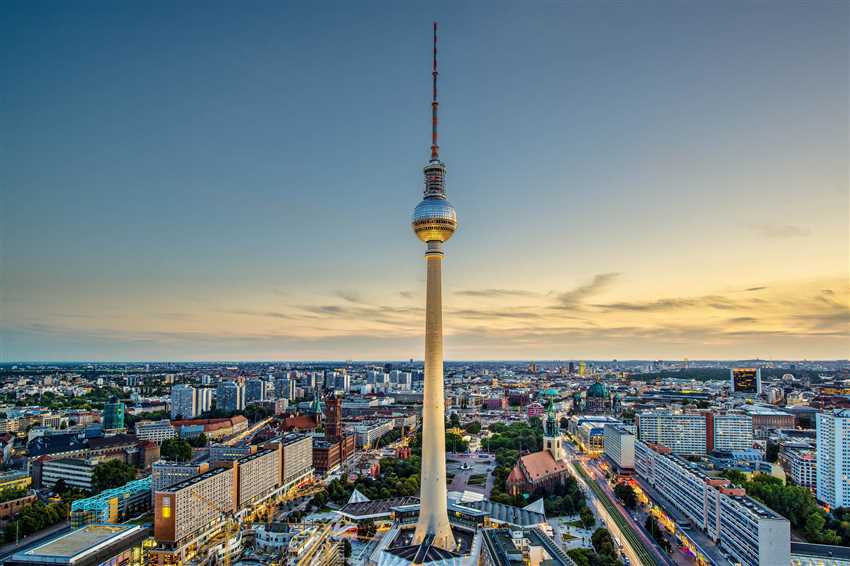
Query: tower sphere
[434,219]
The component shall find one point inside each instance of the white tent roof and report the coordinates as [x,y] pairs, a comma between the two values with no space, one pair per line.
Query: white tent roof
[357,497]
[536,507]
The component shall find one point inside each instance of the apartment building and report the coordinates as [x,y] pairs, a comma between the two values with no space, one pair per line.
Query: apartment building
[833,457]
[682,433]
[801,465]
[752,533]
[619,446]
[731,432]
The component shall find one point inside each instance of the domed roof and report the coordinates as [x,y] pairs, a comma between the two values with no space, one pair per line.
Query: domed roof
[597,390]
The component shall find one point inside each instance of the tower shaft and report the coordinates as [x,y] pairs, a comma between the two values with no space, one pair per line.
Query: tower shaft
[433,511]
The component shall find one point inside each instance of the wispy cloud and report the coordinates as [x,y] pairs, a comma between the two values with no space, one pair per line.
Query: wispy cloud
[574,297]
[267,314]
[780,231]
[349,296]
[668,304]
[496,293]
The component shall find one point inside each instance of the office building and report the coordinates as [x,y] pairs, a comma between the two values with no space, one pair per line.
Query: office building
[155,431]
[259,475]
[165,474]
[113,506]
[285,388]
[230,396]
[186,509]
[74,472]
[297,458]
[368,432]
[184,402]
[745,381]
[255,391]
[205,397]
[833,457]
[619,446]
[682,433]
[90,545]
[113,415]
[521,547]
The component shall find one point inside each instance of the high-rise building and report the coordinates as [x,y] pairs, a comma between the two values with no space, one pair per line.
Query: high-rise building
[681,433]
[333,418]
[434,222]
[751,532]
[285,388]
[745,381]
[165,474]
[113,415]
[205,398]
[732,432]
[619,445]
[230,396]
[184,402]
[833,457]
[254,390]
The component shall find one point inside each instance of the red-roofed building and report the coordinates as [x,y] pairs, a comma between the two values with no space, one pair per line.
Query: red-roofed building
[538,470]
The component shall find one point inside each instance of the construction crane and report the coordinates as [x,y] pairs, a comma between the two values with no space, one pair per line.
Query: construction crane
[229,527]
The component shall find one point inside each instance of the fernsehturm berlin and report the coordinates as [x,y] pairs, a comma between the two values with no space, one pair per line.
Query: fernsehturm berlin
[434,221]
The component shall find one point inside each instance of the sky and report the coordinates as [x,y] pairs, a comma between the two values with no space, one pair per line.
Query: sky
[234,181]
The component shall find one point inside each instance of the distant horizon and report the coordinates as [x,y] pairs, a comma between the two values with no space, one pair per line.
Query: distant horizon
[649,180]
[452,361]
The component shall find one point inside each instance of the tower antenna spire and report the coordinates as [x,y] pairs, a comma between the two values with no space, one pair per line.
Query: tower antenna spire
[435,149]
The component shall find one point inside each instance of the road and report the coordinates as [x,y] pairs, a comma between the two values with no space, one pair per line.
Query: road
[247,433]
[633,547]
[600,480]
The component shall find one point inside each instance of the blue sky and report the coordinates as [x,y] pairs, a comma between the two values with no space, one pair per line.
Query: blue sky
[213,180]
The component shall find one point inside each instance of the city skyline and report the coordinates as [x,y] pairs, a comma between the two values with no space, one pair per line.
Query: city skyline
[636,183]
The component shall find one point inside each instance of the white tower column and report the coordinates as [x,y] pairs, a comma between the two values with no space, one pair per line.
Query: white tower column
[433,513]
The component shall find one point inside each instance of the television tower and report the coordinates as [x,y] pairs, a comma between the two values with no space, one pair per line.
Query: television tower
[434,222]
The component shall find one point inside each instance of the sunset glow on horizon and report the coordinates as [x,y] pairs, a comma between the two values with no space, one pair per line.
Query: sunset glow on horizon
[639,183]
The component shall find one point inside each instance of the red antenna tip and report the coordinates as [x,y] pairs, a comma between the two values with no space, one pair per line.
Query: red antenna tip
[435,149]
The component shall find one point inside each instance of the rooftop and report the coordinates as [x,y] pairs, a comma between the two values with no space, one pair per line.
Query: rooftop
[196,479]
[508,514]
[377,508]
[71,547]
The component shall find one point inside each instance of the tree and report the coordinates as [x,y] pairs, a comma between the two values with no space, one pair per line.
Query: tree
[603,543]
[582,556]
[586,517]
[473,428]
[176,449]
[657,533]
[198,441]
[112,473]
[626,494]
[771,453]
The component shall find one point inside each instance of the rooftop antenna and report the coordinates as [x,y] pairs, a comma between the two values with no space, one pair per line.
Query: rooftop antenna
[435,149]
